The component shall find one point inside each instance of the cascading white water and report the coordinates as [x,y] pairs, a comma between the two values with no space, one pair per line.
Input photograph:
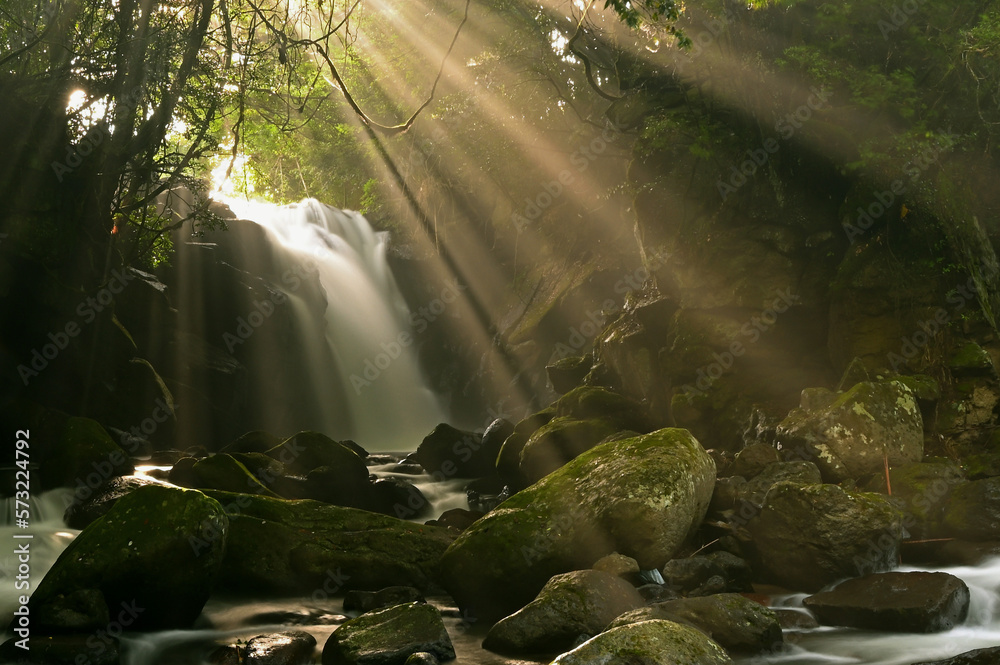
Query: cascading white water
[367,320]
[50,537]
[865,647]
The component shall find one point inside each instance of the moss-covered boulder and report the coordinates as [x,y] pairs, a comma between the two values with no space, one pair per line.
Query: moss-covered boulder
[735,622]
[598,403]
[299,546]
[641,497]
[87,505]
[81,453]
[808,536]
[448,452]
[557,442]
[756,490]
[223,472]
[508,460]
[973,510]
[139,555]
[389,637]
[850,436]
[306,451]
[568,373]
[922,491]
[653,642]
[582,602]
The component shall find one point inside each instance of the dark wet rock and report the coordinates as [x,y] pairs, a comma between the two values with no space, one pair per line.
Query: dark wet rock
[793,619]
[62,650]
[182,474]
[617,564]
[755,490]
[656,593]
[81,453]
[654,642]
[294,647]
[735,570]
[973,510]
[223,472]
[496,433]
[849,437]
[306,451]
[686,575]
[252,442]
[448,452]
[579,603]
[751,460]
[457,518]
[87,507]
[396,497]
[808,536]
[567,373]
[343,485]
[987,656]
[301,546]
[727,493]
[264,468]
[641,497]
[903,602]
[736,623]
[389,637]
[148,558]
[508,462]
[559,441]
[366,601]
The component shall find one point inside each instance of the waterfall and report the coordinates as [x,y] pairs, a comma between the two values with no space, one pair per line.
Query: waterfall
[367,332]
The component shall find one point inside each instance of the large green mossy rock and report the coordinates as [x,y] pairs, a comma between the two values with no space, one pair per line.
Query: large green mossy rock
[735,622]
[849,435]
[641,497]
[139,557]
[82,454]
[808,536]
[301,546]
[649,643]
[558,441]
[306,451]
[973,510]
[223,472]
[508,461]
[582,602]
[389,637]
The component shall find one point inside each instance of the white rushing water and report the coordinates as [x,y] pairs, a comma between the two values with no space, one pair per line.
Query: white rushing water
[820,646]
[367,320]
[49,537]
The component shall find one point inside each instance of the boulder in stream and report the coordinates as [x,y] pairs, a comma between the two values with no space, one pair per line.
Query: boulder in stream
[389,637]
[139,561]
[736,623]
[654,642]
[848,435]
[580,603]
[808,536]
[641,497]
[914,602]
